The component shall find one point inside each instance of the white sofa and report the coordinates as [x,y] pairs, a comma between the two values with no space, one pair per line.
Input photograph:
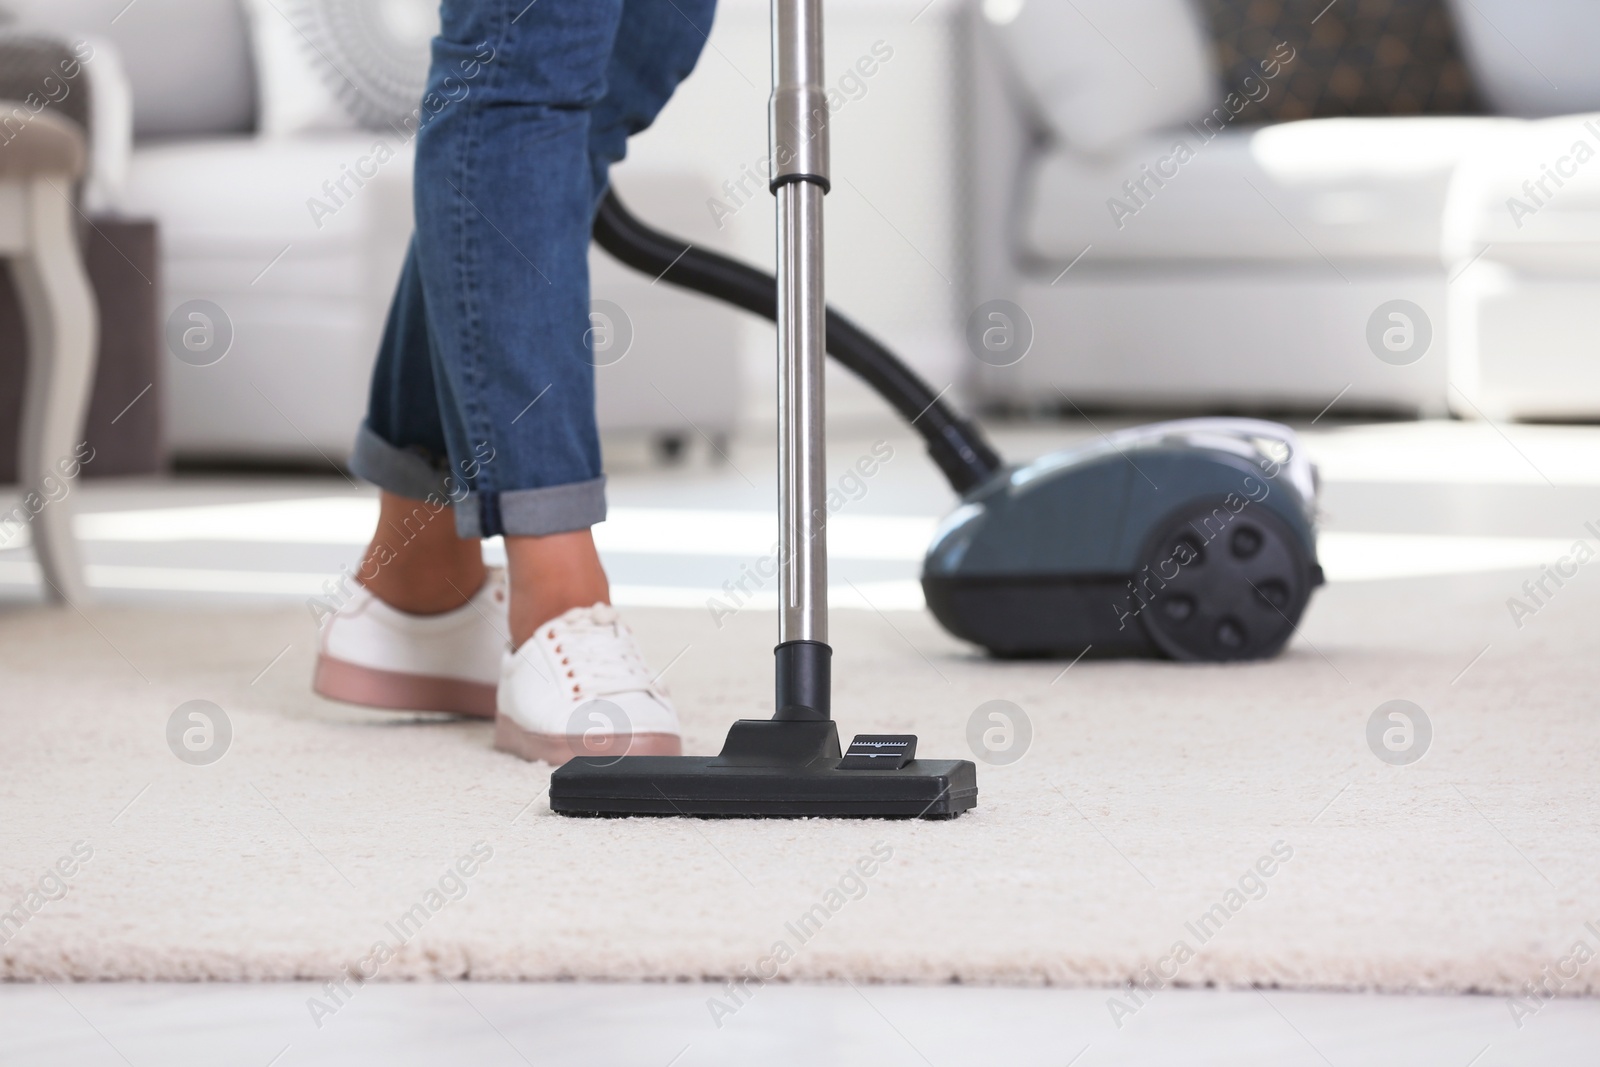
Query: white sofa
[1216,296]
[1248,276]
[306,294]
[1522,307]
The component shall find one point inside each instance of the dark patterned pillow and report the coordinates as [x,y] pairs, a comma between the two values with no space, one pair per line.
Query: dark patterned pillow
[1350,57]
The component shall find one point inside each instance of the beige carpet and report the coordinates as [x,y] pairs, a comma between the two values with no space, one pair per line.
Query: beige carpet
[1149,794]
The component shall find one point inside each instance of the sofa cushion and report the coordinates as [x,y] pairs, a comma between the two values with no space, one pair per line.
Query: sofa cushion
[236,203]
[1391,57]
[1532,198]
[187,60]
[1315,192]
[304,275]
[1100,73]
[295,86]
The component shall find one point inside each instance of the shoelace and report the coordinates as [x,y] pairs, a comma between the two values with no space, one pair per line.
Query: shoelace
[596,654]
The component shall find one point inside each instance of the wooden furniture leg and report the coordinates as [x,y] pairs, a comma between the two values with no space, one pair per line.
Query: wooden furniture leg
[62,323]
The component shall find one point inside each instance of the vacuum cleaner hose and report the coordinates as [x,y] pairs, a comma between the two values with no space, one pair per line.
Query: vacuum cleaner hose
[956,445]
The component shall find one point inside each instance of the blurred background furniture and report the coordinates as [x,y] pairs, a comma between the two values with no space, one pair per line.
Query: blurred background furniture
[41,159]
[227,204]
[667,362]
[70,78]
[983,143]
[1522,306]
[1524,229]
[123,426]
[1223,241]
[290,211]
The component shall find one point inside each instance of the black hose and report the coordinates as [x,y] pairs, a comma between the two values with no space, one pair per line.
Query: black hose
[955,444]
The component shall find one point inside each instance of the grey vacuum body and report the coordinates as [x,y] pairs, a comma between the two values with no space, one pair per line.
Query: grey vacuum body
[1193,539]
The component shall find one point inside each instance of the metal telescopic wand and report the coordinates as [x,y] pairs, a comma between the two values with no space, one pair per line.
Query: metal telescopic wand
[799,169]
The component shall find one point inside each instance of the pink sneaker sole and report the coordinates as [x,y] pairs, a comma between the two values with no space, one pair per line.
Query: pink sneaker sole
[338,679]
[556,749]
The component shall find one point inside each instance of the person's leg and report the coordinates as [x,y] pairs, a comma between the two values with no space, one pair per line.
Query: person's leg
[424,627]
[416,561]
[503,216]
[496,294]
[551,575]
[403,445]
[505,197]
[658,44]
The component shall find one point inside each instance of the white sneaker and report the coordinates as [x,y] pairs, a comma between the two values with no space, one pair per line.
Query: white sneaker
[370,653]
[580,687]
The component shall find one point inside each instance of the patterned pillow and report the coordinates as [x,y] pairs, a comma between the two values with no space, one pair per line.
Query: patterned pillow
[1350,57]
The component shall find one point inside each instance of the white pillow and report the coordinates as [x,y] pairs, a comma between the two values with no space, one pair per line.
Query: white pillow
[1532,59]
[340,64]
[292,91]
[1104,72]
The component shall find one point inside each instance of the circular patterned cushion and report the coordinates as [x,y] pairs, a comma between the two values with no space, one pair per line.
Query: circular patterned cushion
[1350,57]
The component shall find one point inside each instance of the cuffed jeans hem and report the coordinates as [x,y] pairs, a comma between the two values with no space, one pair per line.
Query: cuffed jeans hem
[533,512]
[400,471]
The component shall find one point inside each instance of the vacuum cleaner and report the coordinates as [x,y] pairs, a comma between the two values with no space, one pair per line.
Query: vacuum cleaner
[791,764]
[1193,539]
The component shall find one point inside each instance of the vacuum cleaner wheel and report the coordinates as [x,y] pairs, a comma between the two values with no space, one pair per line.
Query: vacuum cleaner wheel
[1216,585]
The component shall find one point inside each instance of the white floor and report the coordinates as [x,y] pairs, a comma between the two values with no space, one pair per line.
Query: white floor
[400,1025]
[1427,498]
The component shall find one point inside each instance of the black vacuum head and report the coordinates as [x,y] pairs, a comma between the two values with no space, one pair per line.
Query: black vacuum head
[772,767]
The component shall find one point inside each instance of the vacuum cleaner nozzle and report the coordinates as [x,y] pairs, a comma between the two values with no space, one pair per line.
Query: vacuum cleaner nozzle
[773,767]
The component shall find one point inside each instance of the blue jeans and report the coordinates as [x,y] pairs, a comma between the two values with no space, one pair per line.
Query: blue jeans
[483,392]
